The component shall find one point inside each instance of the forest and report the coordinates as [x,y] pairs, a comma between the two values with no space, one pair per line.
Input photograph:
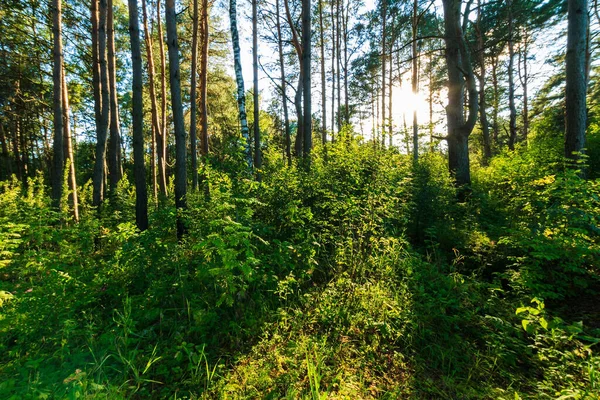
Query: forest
[296,199]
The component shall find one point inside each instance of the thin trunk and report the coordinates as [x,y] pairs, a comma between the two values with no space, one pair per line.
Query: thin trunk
[193,144]
[511,85]
[153,166]
[204,79]
[333,49]
[114,141]
[323,85]
[299,142]
[68,148]
[58,162]
[257,151]
[7,167]
[415,79]
[96,66]
[430,88]
[156,126]
[177,108]
[524,78]
[306,80]
[485,129]
[338,48]
[346,93]
[161,140]
[383,66]
[139,170]
[99,167]
[391,104]
[576,71]
[241,93]
[496,100]
[288,141]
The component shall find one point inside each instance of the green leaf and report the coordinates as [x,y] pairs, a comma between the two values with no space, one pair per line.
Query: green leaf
[529,328]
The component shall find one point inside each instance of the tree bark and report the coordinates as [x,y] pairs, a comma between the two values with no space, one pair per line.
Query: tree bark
[114,141]
[286,120]
[177,108]
[239,77]
[96,69]
[58,161]
[460,71]
[204,79]
[333,74]
[415,79]
[391,103]
[496,100]
[383,66]
[299,142]
[511,85]
[99,167]
[524,77]
[157,167]
[323,83]
[141,194]
[485,128]
[257,150]
[6,158]
[68,147]
[161,140]
[306,79]
[576,81]
[193,91]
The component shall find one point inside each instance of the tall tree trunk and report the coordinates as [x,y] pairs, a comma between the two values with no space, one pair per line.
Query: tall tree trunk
[383,66]
[286,120]
[139,170]
[576,82]
[391,102]
[511,85]
[5,156]
[346,92]
[239,77]
[193,91]
[96,69]
[161,140]
[524,78]
[415,78]
[338,60]
[58,162]
[496,100]
[485,128]
[299,142]
[177,108]
[114,141]
[323,80]
[306,79]
[430,88]
[333,75]
[68,147]
[156,126]
[459,65]
[257,151]
[204,79]
[99,167]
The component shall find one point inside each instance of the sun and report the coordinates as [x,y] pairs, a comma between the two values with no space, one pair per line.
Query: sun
[405,102]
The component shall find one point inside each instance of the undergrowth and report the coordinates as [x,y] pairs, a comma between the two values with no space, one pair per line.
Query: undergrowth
[363,278]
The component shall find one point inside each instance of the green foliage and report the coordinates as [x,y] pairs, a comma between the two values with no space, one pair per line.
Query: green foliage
[362,277]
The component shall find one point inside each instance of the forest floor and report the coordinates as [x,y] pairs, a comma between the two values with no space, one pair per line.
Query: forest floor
[364,279]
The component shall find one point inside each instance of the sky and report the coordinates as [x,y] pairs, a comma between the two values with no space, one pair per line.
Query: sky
[545,45]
